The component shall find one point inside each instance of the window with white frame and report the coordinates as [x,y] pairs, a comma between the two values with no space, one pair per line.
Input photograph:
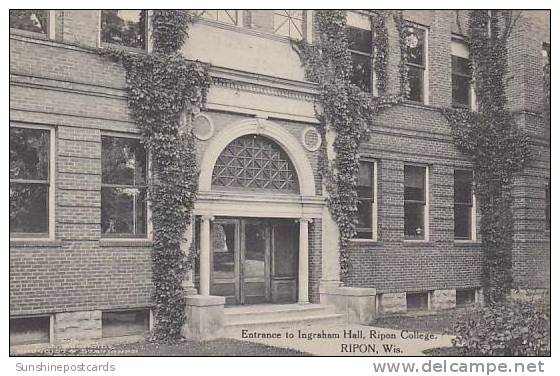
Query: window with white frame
[32,20]
[415,202]
[289,23]
[126,28]
[416,58]
[123,188]
[367,201]
[31,182]
[461,75]
[465,213]
[228,16]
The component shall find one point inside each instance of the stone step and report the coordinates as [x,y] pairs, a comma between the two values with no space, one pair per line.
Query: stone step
[233,315]
[233,329]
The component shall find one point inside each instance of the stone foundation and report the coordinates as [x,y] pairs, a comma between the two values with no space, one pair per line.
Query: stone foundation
[205,317]
[358,305]
[443,299]
[530,295]
[77,326]
[394,302]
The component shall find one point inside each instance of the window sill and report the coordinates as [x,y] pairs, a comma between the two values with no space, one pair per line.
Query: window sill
[125,242]
[124,48]
[29,34]
[20,242]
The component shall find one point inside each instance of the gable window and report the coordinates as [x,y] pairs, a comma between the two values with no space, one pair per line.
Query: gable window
[124,27]
[415,41]
[289,23]
[228,16]
[415,202]
[367,201]
[465,214]
[123,188]
[31,182]
[32,20]
[461,75]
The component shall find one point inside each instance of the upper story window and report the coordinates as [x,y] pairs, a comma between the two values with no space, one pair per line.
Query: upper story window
[289,23]
[123,187]
[124,27]
[461,75]
[415,41]
[228,16]
[415,202]
[465,214]
[361,50]
[33,20]
[367,201]
[31,182]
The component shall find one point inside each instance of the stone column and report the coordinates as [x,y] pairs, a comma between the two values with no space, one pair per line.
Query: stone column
[303,272]
[205,255]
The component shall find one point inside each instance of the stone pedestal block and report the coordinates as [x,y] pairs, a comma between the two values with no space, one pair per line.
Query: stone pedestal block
[77,326]
[443,299]
[394,302]
[355,303]
[204,317]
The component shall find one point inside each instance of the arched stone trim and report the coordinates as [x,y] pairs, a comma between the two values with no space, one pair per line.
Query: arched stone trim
[289,143]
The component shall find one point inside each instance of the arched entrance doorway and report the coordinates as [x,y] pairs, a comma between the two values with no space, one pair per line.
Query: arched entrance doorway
[256,199]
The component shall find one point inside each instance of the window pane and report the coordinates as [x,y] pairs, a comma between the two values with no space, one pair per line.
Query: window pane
[460,65]
[463,186]
[416,83]
[461,90]
[463,221]
[413,221]
[28,330]
[123,161]
[123,27]
[29,19]
[361,71]
[359,40]
[228,16]
[289,23]
[414,183]
[261,20]
[123,211]
[29,208]
[364,214]
[125,323]
[414,41]
[29,154]
[365,180]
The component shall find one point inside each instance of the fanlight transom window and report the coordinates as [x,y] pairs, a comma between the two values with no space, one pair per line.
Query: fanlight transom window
[256,163]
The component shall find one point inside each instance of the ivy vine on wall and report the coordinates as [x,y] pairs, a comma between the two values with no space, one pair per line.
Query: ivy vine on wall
[163,89]
[347,110]
[497,147]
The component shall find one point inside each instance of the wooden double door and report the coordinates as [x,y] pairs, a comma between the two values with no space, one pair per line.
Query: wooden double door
[254,260]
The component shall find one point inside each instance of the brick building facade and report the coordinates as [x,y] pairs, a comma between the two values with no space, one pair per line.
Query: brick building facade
[77,277]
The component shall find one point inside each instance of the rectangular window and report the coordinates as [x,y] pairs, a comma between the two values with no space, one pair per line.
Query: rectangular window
[361,51]
[123,188]
[465,297]
[547,206]
[125,323]
[461,75]
[463,203]
[33,20]
[29,330]
[417,301]
[124,27]
[367,206]
[289,23]
[30,182]
[415,41]
[228,16]
[415,198]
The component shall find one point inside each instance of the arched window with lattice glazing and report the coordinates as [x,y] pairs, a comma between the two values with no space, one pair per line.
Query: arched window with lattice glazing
[254,163]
